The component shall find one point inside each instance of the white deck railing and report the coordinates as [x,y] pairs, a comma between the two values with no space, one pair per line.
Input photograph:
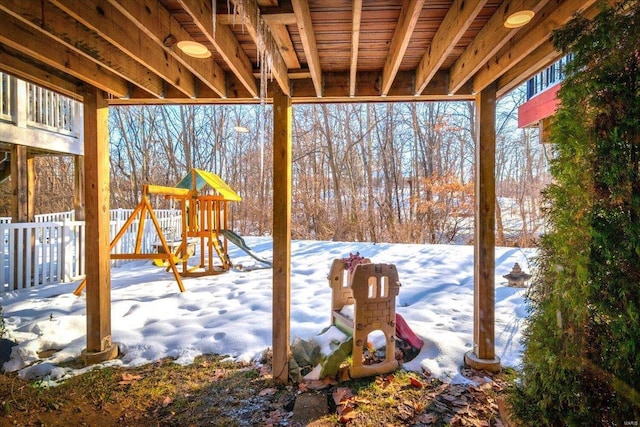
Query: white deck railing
[6,97]
[29,105]
[51,111]
[52,249]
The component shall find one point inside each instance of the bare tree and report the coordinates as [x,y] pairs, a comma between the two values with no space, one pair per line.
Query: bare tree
[376,172]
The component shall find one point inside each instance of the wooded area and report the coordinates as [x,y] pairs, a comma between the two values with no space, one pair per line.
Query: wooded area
[362,172]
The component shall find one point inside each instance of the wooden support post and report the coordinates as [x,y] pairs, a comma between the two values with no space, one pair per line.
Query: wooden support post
[282,153]
[22,188]
[96,149]
[31,189]
[483,354]
[19,184]
[78,188]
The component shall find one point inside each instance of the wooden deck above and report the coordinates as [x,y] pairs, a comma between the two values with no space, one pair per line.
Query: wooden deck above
[316,50]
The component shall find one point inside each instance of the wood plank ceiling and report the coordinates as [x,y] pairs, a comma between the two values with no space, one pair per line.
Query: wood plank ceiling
[320,50]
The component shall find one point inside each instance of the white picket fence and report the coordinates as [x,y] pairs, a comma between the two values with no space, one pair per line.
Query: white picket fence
[52,249]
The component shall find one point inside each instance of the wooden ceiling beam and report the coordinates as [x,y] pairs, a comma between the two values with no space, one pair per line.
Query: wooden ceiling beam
[263,3]
[553,16]
[285,45]
[305,27]
[157,23]
[539,59]
[280,18]
[249,15]
[67,31]
[113,26]
[407,21]
[544,55]
[280,12]
[277,18]
[15,63]
[224,41]
[337,87]
[355,44]
[460,16]
[39,46]
[275,14]
[493,36]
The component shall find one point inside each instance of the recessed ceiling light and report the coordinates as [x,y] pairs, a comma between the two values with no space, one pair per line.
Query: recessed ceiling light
[519,18]
[194,49]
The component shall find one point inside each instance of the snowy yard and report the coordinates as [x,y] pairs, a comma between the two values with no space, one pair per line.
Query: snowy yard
[230,313]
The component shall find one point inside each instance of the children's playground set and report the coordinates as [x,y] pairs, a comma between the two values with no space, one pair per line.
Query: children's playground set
[203,198]
[363,294]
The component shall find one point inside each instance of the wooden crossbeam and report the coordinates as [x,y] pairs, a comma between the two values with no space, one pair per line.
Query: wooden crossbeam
[406,24]
[355,44]
[460,16]
[540,29]
[308,38]
[493,36]
[156,22]
[38,45]
[224,41]
[248,9]
[113,26]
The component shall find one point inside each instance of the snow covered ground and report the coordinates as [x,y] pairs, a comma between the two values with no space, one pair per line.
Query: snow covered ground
[230,313]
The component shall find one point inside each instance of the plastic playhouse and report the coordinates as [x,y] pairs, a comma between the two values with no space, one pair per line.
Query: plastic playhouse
[372,290]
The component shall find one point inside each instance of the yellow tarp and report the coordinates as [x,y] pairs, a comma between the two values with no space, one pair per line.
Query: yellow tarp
[202,178]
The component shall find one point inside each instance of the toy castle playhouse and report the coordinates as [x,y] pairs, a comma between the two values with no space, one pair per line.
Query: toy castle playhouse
[372,290]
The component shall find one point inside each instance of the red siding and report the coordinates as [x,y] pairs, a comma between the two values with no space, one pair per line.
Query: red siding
[539,107]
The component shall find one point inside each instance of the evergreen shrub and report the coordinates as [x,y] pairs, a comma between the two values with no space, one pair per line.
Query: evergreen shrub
[581,365]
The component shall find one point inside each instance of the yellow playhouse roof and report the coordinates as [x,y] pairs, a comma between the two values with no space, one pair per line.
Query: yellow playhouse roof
[201,178]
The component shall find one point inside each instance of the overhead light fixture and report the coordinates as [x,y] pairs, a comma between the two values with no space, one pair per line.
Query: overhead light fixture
[241,129]
[194,49]
[519,18]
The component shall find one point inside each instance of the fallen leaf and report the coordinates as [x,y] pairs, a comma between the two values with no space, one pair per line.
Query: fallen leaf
[460,402]
[343,374]
[268,392]
[361,400]
[167,401]
[384,381]
[428,419]
[486,386]
[341,393]
[345,408]
[406,411]
[218,374]
[317,385]
[303,387]
[414,382]
[344,419]
[449,397]
[128,379]
[274,418]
